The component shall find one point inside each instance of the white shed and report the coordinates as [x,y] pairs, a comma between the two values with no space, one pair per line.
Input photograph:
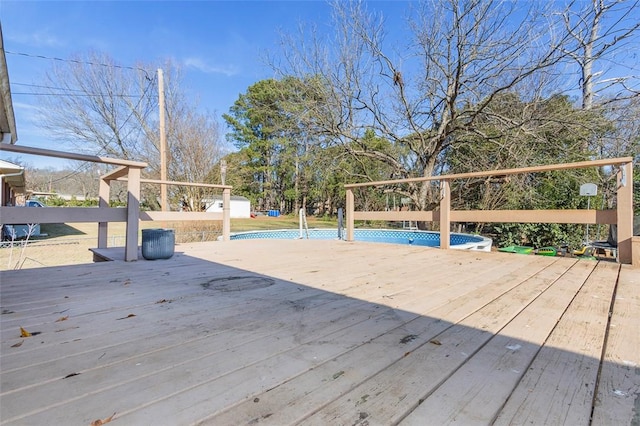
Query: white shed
[240,206]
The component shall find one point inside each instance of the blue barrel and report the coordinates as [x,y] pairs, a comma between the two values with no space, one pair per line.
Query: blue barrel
[158,243]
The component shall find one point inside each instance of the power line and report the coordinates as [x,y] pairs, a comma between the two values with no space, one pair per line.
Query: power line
[76,61]
[144,93]
[85,166]
[90,95]
[46,87]
[72,92]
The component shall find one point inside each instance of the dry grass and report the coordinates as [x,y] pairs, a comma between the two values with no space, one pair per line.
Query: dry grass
[64,244]
[69,244]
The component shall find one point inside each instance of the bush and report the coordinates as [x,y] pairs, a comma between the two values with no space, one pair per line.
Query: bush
[537,234]
[193,232]
[57,201]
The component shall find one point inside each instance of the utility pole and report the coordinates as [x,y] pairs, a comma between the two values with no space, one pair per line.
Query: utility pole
[163,143]
[223,170]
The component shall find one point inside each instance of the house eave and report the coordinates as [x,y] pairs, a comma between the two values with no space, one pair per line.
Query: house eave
[8,133]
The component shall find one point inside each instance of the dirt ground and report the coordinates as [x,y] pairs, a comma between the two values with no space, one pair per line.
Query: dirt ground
[64,244]
[69,244]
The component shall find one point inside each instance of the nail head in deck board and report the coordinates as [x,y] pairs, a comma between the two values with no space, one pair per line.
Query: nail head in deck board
[432,290]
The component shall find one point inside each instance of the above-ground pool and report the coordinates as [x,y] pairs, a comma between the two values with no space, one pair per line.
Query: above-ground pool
[394,236]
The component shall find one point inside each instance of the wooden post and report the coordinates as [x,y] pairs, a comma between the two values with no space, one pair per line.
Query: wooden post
[133,214]
[226,214]
[445,214]
[163,142]
[104,195]
[625,212]
[350,212]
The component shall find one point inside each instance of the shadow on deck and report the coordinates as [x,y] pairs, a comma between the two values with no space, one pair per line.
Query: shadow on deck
[322,332]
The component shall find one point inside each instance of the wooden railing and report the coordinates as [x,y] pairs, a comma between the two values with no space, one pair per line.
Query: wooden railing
[622,215]
[129,171]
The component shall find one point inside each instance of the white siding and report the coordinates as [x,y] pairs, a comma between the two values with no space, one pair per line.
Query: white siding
[240,208]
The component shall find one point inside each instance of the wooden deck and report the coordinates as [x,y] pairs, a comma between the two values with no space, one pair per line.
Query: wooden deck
[322,333]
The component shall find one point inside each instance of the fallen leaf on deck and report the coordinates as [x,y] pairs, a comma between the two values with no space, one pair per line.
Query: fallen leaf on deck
[128,316]
[24,333]
[435,342]
[62,319]
[338,374]
[65,329]
[71,375]
[17,345]
[102,422]
[408,339]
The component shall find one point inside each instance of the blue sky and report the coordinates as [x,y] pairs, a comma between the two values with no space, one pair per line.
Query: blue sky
[219,44]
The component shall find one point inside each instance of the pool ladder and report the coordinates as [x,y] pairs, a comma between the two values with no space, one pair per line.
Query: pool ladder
[410,225]
[303,223]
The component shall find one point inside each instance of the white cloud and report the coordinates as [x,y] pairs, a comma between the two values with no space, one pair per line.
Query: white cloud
[22,105]
[41,38]
[200,65]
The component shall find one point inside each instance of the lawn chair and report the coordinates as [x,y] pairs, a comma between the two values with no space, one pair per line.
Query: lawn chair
[611,244]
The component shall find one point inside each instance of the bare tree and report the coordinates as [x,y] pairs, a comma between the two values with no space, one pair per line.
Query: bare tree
[603,39]
[600,31]
[463,54]
[194,152]
[108,109]
[100,107]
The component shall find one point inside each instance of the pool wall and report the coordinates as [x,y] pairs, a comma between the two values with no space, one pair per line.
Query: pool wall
[393,236]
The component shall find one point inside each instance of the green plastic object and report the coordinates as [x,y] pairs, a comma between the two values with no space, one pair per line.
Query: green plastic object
[517,249]
[547,251]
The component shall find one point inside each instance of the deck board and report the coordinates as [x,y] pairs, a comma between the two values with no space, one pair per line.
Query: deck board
[439,313]
[431,364]
[558,386]
[487,380]
[619,387]
[317,332]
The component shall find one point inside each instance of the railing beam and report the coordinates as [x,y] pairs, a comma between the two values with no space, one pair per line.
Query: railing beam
[22,149]
[116,173]
[129,171]
[502,172]
[445,214]
[625,212]
[350,214]
[226,214]
[173,182]
[160,216]
[133,215]
[104,194]
[22,215]
[622,215]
